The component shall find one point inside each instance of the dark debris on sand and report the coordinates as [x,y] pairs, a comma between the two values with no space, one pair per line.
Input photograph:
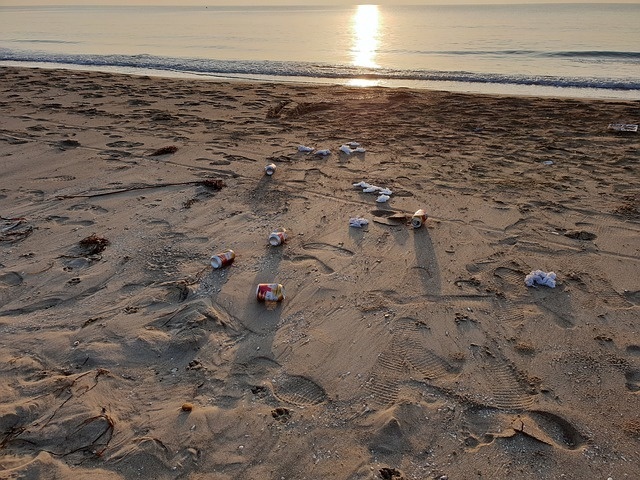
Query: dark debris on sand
[164,151]
[93,244]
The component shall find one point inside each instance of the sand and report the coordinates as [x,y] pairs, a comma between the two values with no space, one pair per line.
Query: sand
[397,353]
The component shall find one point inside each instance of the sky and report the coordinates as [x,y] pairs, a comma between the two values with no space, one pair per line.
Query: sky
[288,2]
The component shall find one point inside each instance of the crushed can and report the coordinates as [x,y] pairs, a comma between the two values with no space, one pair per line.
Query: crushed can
[270,169]
[223,259]
[418,218]
[270,292]
[278,237]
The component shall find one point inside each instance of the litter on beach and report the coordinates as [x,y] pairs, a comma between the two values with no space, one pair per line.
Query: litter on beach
[384,194]
[538,277]
[351,148]
[305,149]
[323,153]
[358,222]
[346,149]
[623,127]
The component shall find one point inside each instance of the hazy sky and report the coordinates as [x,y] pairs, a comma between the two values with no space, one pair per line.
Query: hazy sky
[287,2]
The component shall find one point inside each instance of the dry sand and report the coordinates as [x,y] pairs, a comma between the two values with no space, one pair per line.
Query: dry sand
[397,353]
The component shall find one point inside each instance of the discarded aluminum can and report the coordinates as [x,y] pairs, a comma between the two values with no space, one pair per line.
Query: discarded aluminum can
[223,259]
[278,237]
[270,292]
[270,169]
[418,218]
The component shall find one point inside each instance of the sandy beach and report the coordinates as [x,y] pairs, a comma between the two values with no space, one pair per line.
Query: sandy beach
[397,352]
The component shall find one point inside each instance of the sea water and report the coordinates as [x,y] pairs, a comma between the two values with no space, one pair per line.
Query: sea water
[575,50]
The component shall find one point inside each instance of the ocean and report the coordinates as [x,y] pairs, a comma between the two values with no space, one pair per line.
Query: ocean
[570,50]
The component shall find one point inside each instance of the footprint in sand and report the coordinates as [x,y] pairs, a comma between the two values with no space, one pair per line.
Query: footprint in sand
[58,178]
[11,279]
[384,380]
[87,207]
[413,341]
[34,307]
[633,349]
[632,378]
[493,381]
[483,426]
[298,390]
[329,247]
[281,414]
[114,153]
[124,144]
[311,259]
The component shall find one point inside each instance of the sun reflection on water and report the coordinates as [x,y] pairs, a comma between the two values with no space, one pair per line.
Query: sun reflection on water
[366,26]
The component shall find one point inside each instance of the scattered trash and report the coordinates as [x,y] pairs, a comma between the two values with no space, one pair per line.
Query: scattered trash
[547,162]
[304,149]
[278,237]
[358,222]
[270,169]
[164,151]
[64,144]
[384,193]
[187,407]
[418,218]
[214,184]
[223,259]
[351,148]
[541,278]
[623,127]
[93,244]
[323,153]
[368,188]
[270,292]
[346,149]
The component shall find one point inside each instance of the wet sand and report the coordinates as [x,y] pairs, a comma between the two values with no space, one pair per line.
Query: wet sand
[398,353]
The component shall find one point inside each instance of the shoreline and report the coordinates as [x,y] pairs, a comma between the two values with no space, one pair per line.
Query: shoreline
[397,353]
[428,85]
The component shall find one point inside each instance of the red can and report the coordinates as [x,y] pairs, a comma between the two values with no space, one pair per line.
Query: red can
[223,259]
[278,237]
[418,218]
[270,292]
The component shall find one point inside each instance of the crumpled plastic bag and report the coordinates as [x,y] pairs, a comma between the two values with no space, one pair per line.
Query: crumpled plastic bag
[358,222]
[538,277]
